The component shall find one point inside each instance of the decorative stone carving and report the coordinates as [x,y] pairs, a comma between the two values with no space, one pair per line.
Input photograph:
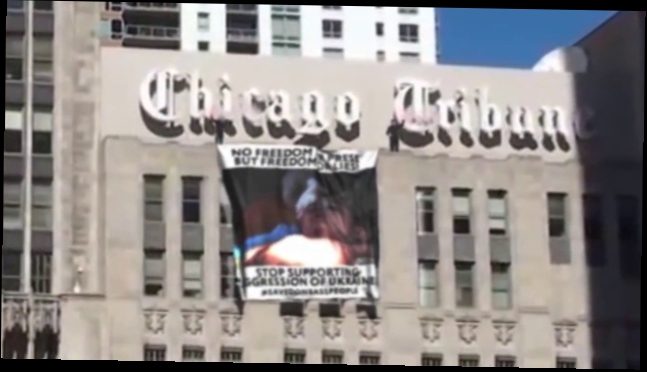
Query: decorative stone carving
[431,329]
[230,324]
[565,333]
[368,328]
[293,326]
[332,328]
[467,330]
[46,314]
[155,320]
[504,332]
[15,312]
[193,321]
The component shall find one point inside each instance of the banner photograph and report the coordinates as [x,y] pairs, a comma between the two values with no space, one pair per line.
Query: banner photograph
[305,221]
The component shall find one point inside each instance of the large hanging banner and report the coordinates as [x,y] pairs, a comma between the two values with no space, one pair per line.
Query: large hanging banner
[305,221]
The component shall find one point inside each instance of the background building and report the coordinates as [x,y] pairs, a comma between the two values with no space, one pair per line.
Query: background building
[527,237]
[366,33]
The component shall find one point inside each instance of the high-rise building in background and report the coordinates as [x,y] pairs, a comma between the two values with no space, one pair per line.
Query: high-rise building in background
[505,234]
[364,33]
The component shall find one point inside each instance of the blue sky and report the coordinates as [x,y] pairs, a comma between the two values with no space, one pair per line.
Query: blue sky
[510,37]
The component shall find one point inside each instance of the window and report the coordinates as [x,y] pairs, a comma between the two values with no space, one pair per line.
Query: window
[592,213]
[464,284]
[43,59]
[203,46]
[42,131]
[44,5]
[566,363]
[12,203]
[428,284]
[497,212]
[192,274]
[11,270]
[228,282]
[153,198]
[407,10]
[409,57]
[557,215]
[203,22]
[462,211]
[332,7]
[286,49]
[379,29]
[15,4]
[381,56]
[332,29]
[192,354]
[468,361]
[408,33]
[333,53]
[286,28]
[425,201]
[13,124]
[154,272]
[501,286]
[431,360]
[41,272]
[191,199]
[628,219]
[154,353]
[505,362]
[232,355]
[332,357]
[14,54]
[369,359]
[294,356]
[41,212]
[286,8]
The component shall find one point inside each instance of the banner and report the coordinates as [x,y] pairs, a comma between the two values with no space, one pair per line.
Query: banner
[305,221]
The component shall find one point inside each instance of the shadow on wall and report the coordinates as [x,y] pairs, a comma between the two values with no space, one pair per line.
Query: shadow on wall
[610,168]
[15,343]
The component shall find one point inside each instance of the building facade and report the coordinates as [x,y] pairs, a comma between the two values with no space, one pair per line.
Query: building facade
[388,34]
[498,233]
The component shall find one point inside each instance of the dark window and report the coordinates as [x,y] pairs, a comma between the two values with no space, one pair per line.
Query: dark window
[12,203]
[153,198]
[44,5]
[15,4]
[370,359]
[228,282]
[203,46]
[464,284]
[192,354]
[497,212]
[332,7]
[432,361]
[505,362]
[379,29]
[154,353]
[592,213]
[11,270]
[332,357]
[557,215]
[294,356]
[566,363]
[192,274]
[332,29]
[468,361]
[191,199]
[462,211]
[154,272]
[628,218]
[42,143]
[14,69]
[408,33]
[12,141]
[231,355]
[425,206]
[42,131]
[41,272]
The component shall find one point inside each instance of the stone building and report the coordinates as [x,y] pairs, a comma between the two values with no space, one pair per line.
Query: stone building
[518,229]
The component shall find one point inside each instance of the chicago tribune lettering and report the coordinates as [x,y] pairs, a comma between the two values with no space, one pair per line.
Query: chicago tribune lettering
[303,229]
[417,104]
